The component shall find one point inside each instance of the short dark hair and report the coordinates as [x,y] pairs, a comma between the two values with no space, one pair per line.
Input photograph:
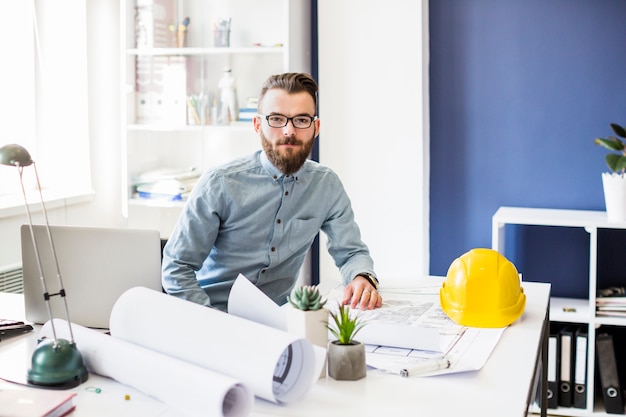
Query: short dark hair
[291,82]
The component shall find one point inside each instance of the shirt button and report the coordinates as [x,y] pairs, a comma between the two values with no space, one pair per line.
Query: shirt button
[286,192]
[278,221]
[263,271]
[273,249]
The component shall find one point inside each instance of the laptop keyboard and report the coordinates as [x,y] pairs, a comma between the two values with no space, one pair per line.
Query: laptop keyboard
[9,327]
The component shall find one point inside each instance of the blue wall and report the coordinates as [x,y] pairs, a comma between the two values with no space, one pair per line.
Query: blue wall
[519,89]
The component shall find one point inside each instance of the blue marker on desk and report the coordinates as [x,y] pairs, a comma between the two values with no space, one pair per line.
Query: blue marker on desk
[425,367]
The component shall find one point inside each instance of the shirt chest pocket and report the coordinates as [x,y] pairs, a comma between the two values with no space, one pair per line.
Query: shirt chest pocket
[301,234]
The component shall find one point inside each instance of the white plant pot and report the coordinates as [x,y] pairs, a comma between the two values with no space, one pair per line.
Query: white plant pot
[310,325]
[614,196]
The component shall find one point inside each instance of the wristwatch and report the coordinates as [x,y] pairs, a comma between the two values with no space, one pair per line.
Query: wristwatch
[371,278]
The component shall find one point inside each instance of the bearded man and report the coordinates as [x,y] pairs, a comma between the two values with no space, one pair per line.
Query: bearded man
[258,215]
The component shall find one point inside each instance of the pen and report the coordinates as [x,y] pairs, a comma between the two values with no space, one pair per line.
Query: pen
[426,367]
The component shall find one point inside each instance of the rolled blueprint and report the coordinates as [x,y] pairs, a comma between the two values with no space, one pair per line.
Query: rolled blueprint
[198,391]
[276,365]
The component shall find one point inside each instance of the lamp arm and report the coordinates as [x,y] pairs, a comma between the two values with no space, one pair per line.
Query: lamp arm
[54,255]
[20,170]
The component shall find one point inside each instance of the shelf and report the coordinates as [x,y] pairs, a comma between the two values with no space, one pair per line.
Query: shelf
[144,202]
[156,127]
[570,411]
[555,217]
[159,79]
[205,51]
[610,321]
[569,310]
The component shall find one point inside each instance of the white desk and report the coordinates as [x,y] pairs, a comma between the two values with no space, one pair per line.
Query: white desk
[503,387]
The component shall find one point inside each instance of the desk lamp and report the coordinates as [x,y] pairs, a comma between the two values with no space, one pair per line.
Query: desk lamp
[56,363]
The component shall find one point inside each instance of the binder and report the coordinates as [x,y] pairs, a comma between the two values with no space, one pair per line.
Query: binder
[553,386]
[566,357]
[552,391]
[609,378]
[580,368]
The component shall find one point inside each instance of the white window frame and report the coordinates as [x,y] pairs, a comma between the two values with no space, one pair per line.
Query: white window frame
[43,99]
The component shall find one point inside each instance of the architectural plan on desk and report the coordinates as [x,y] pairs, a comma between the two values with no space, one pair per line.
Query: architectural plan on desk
[409,328]
[415,314]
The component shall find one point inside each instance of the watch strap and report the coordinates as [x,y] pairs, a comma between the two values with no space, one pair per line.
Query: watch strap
[371,278]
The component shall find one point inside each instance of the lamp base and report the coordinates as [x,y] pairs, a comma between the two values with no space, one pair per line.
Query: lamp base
[57,364]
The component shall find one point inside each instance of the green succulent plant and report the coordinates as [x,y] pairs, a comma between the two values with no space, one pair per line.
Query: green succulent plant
[306,297]
[344,325]
[615,161]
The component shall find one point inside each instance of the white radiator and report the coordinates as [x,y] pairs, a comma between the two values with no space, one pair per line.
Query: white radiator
[11,279]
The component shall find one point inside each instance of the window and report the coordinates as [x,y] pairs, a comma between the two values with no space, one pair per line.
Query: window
[43,99]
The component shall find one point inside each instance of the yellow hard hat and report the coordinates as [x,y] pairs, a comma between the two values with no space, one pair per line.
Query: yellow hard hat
[482,289]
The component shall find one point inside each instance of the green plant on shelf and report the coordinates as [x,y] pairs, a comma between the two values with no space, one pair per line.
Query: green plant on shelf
[616,160]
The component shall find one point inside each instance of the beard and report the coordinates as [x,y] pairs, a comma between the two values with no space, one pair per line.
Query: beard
[292,160]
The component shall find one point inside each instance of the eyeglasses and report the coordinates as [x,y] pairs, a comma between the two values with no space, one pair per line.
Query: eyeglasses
[299,122]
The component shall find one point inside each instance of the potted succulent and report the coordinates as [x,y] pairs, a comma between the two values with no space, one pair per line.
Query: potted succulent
[614,183]
[307,316]
[346,356]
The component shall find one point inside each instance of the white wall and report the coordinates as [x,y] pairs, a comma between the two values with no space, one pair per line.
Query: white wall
[373,76]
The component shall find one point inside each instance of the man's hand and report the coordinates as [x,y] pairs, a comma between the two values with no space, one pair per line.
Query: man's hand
[360,293]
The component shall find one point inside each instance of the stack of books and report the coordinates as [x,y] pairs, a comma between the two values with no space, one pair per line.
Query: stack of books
[247,113]
[611,302]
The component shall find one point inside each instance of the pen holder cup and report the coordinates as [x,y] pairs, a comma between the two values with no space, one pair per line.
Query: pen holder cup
[180,38]
[221,38]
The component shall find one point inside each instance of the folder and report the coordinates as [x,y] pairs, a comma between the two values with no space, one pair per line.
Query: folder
[580,368]
[553,385]
[566,357]
[609,378]
[552,366]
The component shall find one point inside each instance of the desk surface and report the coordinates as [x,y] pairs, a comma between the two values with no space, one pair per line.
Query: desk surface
[501,388]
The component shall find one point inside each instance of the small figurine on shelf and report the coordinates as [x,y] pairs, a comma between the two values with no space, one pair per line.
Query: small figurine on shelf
[228,108]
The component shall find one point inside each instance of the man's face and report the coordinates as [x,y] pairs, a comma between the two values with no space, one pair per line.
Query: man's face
[286,147]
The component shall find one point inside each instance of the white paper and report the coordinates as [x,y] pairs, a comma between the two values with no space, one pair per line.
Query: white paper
[247,301]
[192,388]
[403,323]
[247,351]
[400,335]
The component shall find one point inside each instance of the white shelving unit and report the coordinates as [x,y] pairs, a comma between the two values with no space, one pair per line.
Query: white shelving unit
[567,310]
[159,74]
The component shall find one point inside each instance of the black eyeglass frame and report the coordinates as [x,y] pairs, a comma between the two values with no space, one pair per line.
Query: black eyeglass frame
[288,119]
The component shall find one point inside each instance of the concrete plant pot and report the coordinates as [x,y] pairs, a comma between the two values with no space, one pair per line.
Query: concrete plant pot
[346,362]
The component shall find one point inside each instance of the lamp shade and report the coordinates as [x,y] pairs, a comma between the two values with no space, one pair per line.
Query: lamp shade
[15,155]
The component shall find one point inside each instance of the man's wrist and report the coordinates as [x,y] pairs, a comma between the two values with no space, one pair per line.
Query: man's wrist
[371,278]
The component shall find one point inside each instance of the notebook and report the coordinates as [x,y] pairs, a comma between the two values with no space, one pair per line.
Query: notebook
[97,265]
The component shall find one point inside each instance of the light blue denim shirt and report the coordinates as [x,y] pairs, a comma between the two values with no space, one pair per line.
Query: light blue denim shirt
[247,217]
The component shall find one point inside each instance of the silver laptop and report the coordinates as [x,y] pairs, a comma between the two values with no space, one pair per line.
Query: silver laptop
[97,265]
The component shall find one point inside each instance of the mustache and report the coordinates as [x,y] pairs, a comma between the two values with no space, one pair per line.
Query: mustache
[289,141]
